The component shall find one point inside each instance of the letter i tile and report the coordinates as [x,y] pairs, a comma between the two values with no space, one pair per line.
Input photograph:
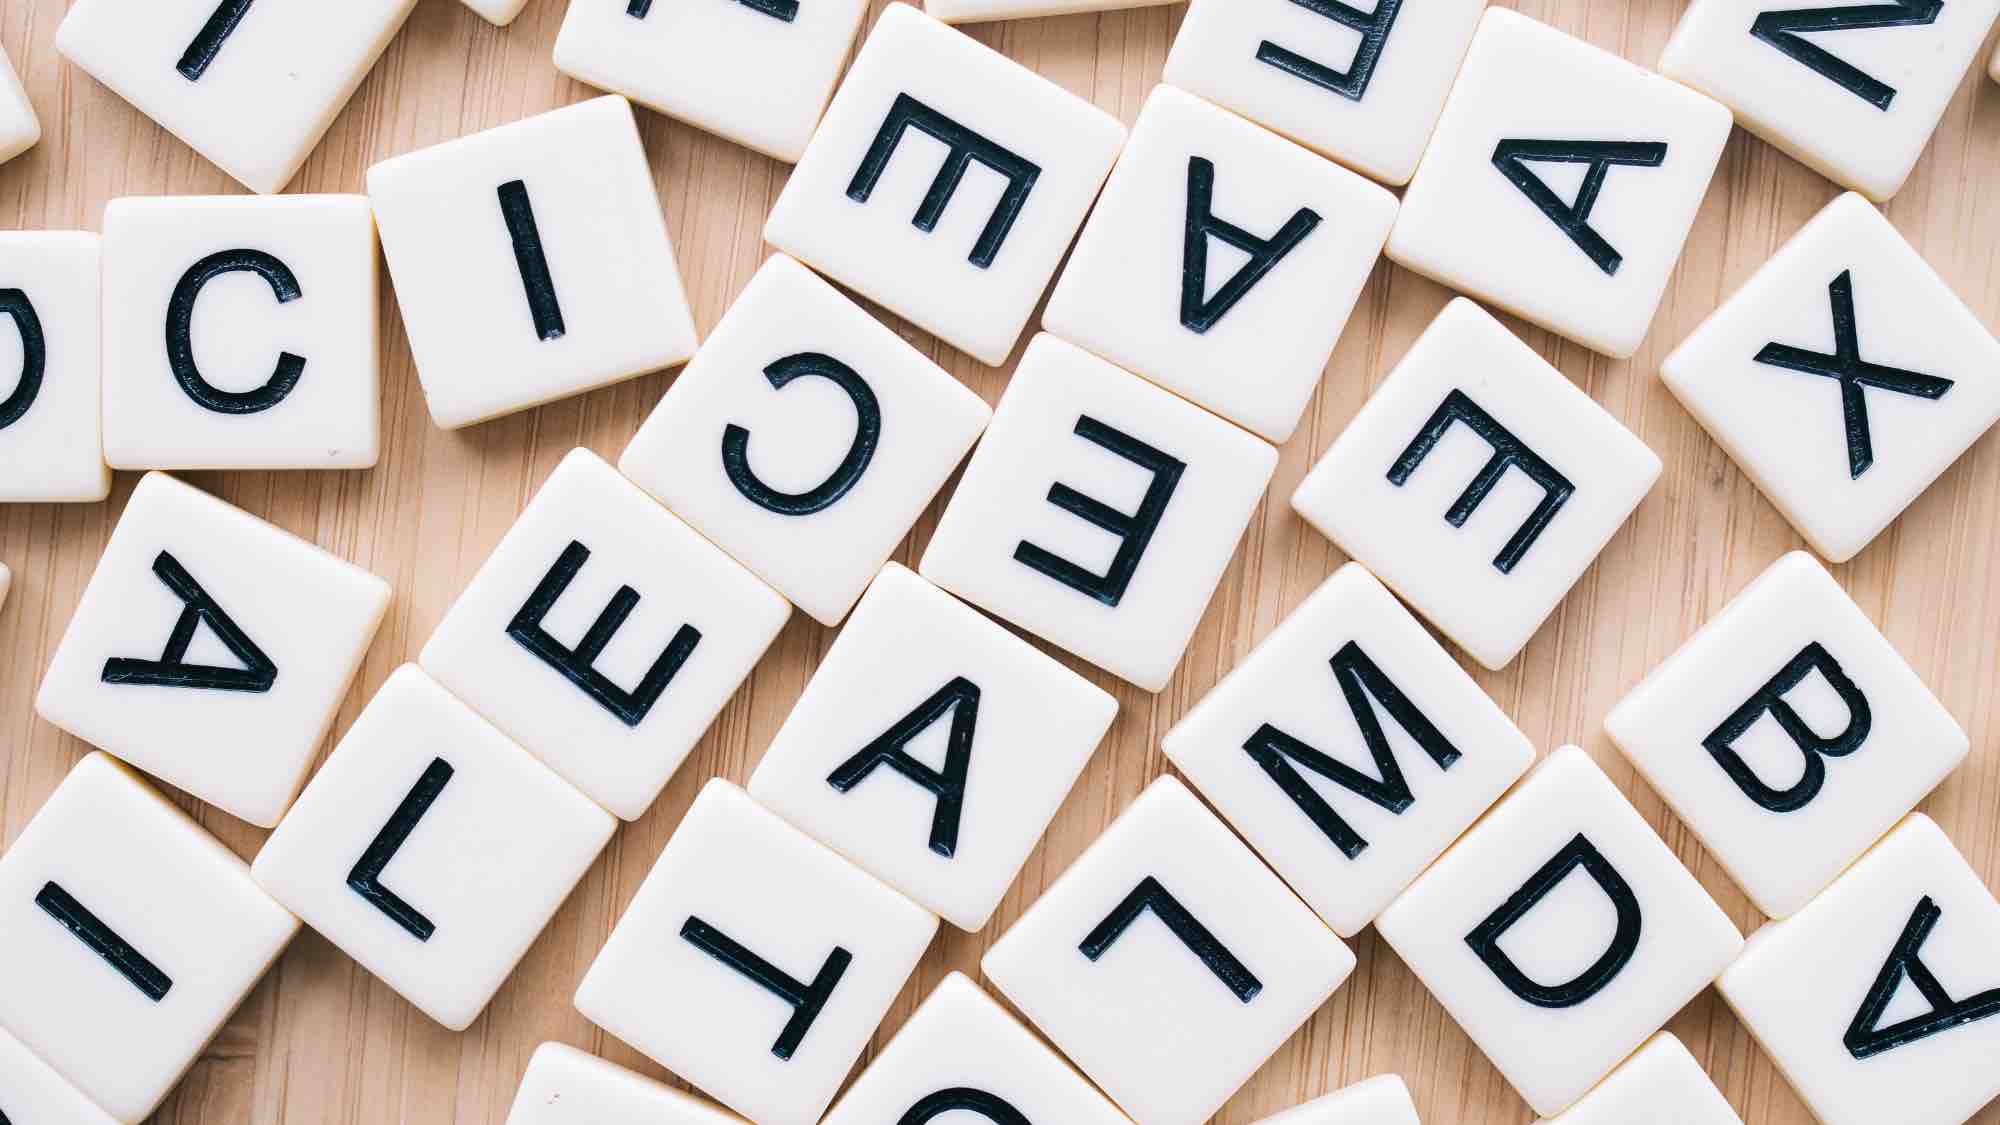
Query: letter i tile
[1168,922]
[1878,1000]
[565,1086]
[1382,1100]
[753,962]
[1560,932]
[1844,377]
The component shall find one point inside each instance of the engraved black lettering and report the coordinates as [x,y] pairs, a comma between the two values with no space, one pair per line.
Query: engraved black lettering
[786,10]
[171,669]
[1360,678]
[1265,253]
[1151,895]
[806,999]
[1782,30]
[959,698]
[180,332]
[1509,452]
[1866,1038]
[105,942]
[867,437]
[1134,531]
[1853,373]
[1770,699]
[366,877]
[15,306]
[536,282]
[1573,219]
[1353,82]
[990,1106]
[578,664]
[1485,939]
[209,40]
[966,146]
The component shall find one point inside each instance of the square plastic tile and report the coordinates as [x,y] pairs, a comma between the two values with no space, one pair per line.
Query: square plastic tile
[127,937]
[805,439]
[604,635]
[961,1051]
[531,262]
[753,962]
[1222,262]
[1168,922]
[972,11]
[252,87]
[1788,734]
[1364,87]
[497,12]
[1877,1001]
[1844,377]
[945,183]
[32,1092]
[245,333]
[19,127]
[51,426]
[1349,749]
[211,649]
[1419,488]
[1854,95]
[1099,512]
[565,1086]
[1659,1085]
[1561,184]
[6,581]
[933,747]
[758,72]
[1382,1100]
[431,849]
[1560,932]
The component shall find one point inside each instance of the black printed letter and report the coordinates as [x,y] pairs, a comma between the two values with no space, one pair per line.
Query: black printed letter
[1771,698]
[1374,28]
[806,999]
[180,332]
[208,41]
[961,698]
[1134,532]
[1782,29]
[15,306]
[366,877]
[1485,939]
[989,1106]
[1573,219]
[867,436]
[171,670]
[966,146]
[1265,253]
[144,975]
[575,664]
[536,282]
[1865,1038]
[1150,895]
[1508,452]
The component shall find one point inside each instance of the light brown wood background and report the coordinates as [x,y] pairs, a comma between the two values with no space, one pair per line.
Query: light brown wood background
[320,1041]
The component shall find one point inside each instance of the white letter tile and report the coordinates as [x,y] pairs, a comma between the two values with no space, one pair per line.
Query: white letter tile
[1382,1100]
[32,1093]
[51,426]
[19,127]
[500,13]
[1659,1085]
[565,1086]
[974,11]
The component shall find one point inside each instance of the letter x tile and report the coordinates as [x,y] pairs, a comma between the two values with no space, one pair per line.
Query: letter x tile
[1844,377]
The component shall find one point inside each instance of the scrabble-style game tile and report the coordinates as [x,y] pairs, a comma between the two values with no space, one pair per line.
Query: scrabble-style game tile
[6,582]
[500,13]
[127,936]
[805,438]
[973,11]
[51,427]
[1382,1100]
[1877,1001]
[1364,87]
[604,635]
[565,1086]
[211,649]
[932,747]
[250,87]
[1222,262]
[19,127]
[31,1092]
[1560,932]
[961,1051]
[1419,488]
[1788,734]
[1855,95]
[1099,512]
[758,72]
[431,849]
[242,333]
[1168,962]
[1561,184]
[753,962]
[1349,749]
[1659,1085]
[531,262]
[1844,377]
[963,250]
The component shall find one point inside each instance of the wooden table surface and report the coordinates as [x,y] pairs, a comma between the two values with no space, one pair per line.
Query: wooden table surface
[321,1041]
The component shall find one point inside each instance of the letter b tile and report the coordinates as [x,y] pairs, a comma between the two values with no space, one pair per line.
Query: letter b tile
[565,1086]
[1560,932]
[127,937]
[1661,1084]
[51,435]
[753,962]
[1168,962]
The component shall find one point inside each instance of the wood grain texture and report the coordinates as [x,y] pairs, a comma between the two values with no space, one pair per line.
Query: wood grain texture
[320,1041]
